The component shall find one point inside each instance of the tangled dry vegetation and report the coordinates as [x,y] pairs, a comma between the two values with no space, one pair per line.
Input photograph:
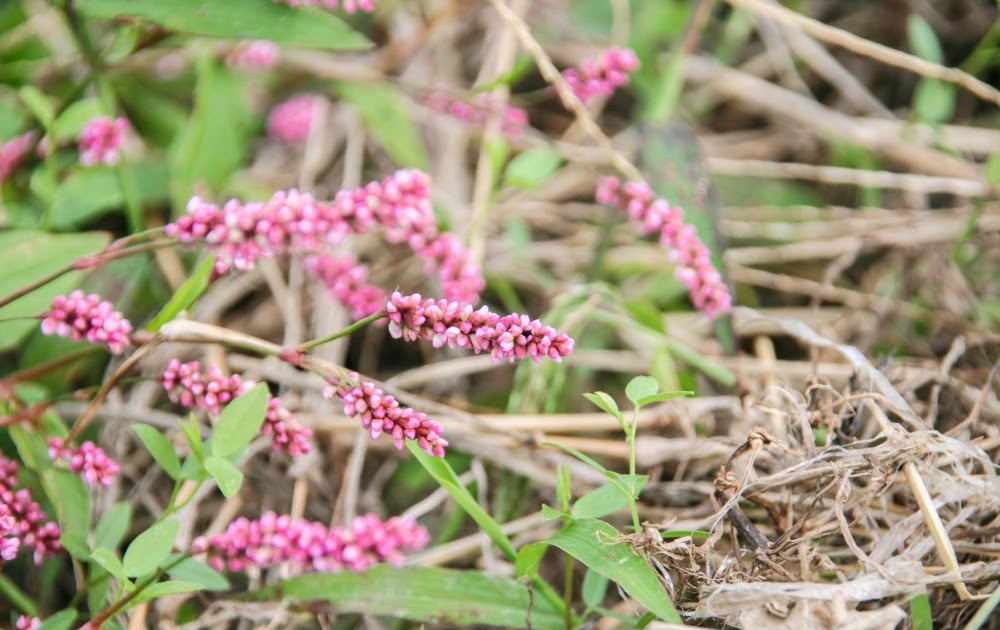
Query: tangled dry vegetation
[853,465]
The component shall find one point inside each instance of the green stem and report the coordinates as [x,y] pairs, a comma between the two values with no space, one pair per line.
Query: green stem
[98,620]
[358,325]
[568,594]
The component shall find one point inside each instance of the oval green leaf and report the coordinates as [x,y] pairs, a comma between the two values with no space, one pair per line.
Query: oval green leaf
[150,548]
[641,387]
[191,570]
[160,448]
[185,296]
[605,500]
[240,422]
[227,477]
[109,561]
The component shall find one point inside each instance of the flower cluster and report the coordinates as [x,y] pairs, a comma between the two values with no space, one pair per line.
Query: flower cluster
[22,522]
[653,215]
[13,152]
[350,6]
[381,413]
[347,282]
[513,120]
[292,120]
[512,337]
[240,233]
[90,462]
[308,546]
[100,140]
[188,386]
[253,56]
[24,622]
[604,76]
[87,317]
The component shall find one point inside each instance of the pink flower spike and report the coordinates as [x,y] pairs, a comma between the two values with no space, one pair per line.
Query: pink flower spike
[292,120]
[602,77]
[13,152]
[88,461]
[347,283]
[513,120]
[188,386]
[381,413]
[253,56]
[100,140]
[87,318]
[25,622]
[23,524]
[653,215]
[350,6]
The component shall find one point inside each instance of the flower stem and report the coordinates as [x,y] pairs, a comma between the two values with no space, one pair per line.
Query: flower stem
[358,325]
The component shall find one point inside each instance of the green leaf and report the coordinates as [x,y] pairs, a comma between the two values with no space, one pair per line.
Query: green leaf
[595,587]
[150,548]
[601,547]
[641,387]
[90,193]
[425,594]
[70,122]
[62,620]
[113,526]
[564,488]
[27,256]
[109,561]
[387,117]
[234,19]
[240,422]
[583,458]
[72,502]
[605,500]
[992,171]
[162,589]
[185,296]
[606,404]
[549,513]
[532,168]
[982,616]
[934,101]
[642,402]
[191,570]
[920,612]
[683,533]
[39,104]
[923,40]
[228,477]
[160,448]
[528,559]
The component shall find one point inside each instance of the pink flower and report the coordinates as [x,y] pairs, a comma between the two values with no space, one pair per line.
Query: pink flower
[13,152]
[22,522]
[25,622]
[653,215]
[347,283]
[308,546]
[381,413]
[90,462]
[292,120]
[87,317]
[253,56]
[512,337]
[100,140]
[513,120]
[604,76]
[350,6]
[187,386]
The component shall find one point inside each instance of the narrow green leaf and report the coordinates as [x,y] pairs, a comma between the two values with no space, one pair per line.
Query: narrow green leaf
[583,458]
[236,19]
[191,570]
[425,594]
[109,561]
[62,620]
[564,488]
[528,558]
[595,587]
[602,548]
[605,500]
[641,387]
[72,502]
[642,402]
[549,513]
[683,533]
[162,589]
[920,612]
[992,170]
[160,448]
[934,101]
[39,104]
[240,422]
[606,403]
[150,548]
[532,168]
[185,295]
[923,40]
[387,118]
[228,477]
[985,611]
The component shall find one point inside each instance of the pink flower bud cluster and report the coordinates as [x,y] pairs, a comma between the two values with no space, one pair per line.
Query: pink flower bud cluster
[13,152]
[347,282]
[188,386]
[24,622]
[90,462]
[604,76]
[253,56]
[512,337]
[350,6]
[381,413]
[240,233]
[653,215]
[22,522]
[87,317]
[513,120]
[100,140]
[308,546]
[291,121]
